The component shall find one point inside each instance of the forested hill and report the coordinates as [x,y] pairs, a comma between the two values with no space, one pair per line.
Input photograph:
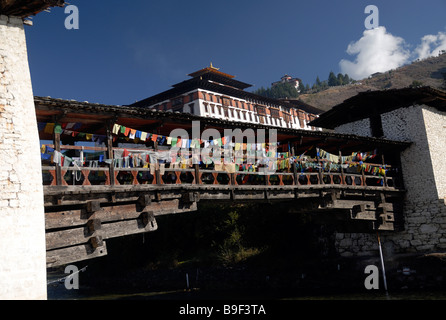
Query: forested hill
[328,93]
[427,72]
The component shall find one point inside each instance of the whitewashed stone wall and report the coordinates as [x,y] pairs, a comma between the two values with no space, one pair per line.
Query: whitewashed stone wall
[360,128]
[418,166]
[22,221]
[424,174]
[435,122]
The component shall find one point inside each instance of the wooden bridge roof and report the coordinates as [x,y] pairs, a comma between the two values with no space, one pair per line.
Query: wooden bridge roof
[95,116]
[25,8]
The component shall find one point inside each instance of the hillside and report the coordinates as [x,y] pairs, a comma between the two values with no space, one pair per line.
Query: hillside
[428,71]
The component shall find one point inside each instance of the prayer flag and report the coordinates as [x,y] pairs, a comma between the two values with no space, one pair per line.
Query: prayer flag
[49,128]
[116,129]
[58,128]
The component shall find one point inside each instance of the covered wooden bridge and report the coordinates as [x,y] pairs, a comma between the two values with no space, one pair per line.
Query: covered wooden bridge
[109,171]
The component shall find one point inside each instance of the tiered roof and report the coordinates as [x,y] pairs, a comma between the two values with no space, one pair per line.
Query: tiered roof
[212,79]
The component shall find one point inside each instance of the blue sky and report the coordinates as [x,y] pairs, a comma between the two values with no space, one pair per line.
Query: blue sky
[126,51]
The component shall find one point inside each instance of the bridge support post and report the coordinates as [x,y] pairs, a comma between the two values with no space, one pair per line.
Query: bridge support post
[110,152]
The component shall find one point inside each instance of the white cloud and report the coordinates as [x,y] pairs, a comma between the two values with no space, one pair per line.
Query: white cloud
[376,51]
[431,45]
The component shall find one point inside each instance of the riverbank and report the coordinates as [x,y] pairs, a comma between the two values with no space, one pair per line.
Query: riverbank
[326,280]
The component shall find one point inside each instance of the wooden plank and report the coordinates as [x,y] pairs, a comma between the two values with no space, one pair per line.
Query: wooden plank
[71,195]
[93,206]
[72,218]
[349,204]
[49,190]
[128,227]
[59,257]
[280,195]
[66,147]
[82,235]
[67,238]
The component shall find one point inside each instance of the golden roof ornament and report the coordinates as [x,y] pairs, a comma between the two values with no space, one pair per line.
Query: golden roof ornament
[212,67]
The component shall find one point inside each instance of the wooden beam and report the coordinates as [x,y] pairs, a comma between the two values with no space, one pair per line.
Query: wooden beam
[55,258]
[93,206]
[56,141]
[190,197]
[82,235]
[148,218]
[109,143]
[78,217]
[93,226]
[143,202]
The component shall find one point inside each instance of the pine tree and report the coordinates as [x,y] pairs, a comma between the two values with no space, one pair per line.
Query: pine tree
[340,79]
[279,91]
[332,80]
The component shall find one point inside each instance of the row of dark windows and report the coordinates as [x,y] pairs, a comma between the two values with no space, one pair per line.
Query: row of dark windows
[244,115]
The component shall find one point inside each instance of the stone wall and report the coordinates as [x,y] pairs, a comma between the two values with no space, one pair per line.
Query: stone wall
[424,231]
[422,165]
[360,128]
[435,122]
[22,221]
[424,174]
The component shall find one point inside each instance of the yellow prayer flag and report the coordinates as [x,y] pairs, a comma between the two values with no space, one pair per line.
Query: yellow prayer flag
[49,128]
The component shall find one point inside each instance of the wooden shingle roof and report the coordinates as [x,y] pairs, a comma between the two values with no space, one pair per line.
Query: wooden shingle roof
[366,104]
[25,8]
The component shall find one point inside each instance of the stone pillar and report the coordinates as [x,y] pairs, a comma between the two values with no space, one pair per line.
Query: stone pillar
[22,220]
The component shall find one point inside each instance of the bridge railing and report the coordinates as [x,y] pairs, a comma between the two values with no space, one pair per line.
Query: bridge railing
[85,176]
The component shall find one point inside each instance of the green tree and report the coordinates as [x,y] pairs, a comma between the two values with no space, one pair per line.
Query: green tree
[324,85]
[301,87]
[332,80]
[416,84]
[340,79]
[279,91]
